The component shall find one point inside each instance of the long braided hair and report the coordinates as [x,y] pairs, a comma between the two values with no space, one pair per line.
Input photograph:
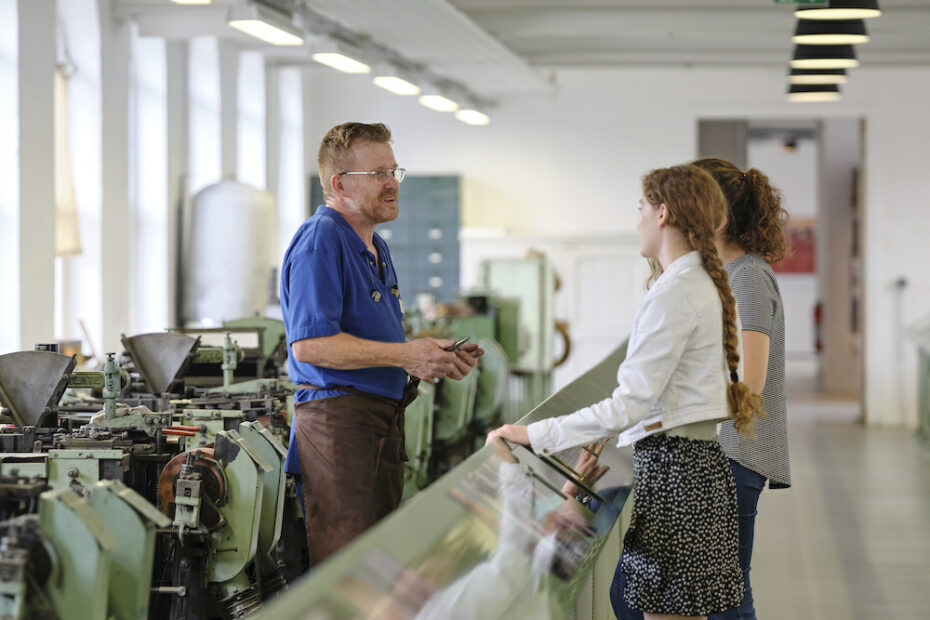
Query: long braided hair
[696,207]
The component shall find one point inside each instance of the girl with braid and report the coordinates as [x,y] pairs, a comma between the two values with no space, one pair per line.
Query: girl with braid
[752,237]
[681,376]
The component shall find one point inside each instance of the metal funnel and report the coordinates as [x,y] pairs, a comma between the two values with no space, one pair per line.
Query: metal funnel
[161,358]
[31,384]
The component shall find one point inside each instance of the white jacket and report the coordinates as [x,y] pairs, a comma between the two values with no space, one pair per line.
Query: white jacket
[675,370]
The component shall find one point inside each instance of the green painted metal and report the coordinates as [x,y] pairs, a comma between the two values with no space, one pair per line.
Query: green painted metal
[13,562]
[508,327]
[492,383]
[235,543]
[255,386]
[68,468]
[111,386]
[455,407]
[131,559]
[273,482]
[210,421]
[208,355]
[94,379]
[418,428]
[230,352]
[475,327]
[273,334]
[147,422]
[24,465]
[923,393]
[81,546]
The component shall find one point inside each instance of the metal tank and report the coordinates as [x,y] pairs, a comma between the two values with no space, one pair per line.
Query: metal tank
[228,257]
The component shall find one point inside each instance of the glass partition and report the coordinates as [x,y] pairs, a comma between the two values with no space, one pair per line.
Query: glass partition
[506,533]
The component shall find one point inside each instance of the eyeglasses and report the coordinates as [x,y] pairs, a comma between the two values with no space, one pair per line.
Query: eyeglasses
[382,176]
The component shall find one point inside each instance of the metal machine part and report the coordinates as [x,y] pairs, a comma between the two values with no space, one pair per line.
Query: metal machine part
[161,357]
[31,384]
[212,482]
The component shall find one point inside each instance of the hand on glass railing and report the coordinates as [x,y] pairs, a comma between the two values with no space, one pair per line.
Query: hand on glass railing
[587,466]
[514,433]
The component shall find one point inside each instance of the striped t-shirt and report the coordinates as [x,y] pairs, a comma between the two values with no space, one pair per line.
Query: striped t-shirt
[760,310]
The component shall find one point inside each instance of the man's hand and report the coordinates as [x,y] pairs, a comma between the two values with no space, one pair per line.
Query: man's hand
[427,359]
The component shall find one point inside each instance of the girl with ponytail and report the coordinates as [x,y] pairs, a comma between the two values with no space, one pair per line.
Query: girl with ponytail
[681,376]
[752,236]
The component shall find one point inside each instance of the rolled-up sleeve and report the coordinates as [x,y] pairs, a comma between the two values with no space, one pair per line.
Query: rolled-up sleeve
[661,332]
[315,295]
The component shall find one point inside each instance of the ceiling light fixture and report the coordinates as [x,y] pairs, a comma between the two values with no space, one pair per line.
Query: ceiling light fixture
[824,57]
[396,85]
[265,24]
[341,62]
[339,55]
[436,97]
[817,76]
[472,117]
[439,103]
[841,9]
[830,32]
[391,78]
[812,93]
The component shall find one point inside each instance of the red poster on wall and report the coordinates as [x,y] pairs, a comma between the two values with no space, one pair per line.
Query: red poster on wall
[801,256]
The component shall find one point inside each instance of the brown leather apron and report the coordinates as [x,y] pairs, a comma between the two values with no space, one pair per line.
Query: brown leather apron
[352,458]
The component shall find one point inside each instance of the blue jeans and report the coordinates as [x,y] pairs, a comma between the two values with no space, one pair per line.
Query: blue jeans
[749,486]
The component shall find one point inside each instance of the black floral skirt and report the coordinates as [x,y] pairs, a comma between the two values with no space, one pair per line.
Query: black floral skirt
[680,555]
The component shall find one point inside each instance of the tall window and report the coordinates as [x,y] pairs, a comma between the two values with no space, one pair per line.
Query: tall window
[291,183]
[9,179]
[251,121]
[149,185]
[204,89]
[79,295]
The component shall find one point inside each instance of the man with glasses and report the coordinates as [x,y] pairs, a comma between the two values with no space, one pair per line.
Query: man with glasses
[347,352]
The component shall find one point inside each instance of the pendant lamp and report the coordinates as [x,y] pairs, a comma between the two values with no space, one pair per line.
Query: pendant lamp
[824,57]
[830,32]
[841,9]
[810,93]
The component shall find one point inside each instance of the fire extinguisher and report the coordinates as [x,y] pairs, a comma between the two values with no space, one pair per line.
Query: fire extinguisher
[818,324]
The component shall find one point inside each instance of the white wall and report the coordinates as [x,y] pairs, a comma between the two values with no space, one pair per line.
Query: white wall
[571,163]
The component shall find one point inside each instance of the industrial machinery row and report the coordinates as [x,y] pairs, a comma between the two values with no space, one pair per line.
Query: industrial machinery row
[155,487]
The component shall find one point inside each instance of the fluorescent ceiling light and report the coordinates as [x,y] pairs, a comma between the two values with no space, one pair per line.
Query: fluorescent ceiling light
[439,103]
[842,9]
[813,93]
[472,117]
[265,24]
[824,32]
[817,76]
[396,85]
[341,62]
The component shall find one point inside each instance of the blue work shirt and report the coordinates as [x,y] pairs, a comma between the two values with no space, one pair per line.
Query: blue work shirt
[327,280]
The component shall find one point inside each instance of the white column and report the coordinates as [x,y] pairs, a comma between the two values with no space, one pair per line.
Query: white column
[229,117]
[115,52]
[37,26]
[272,131]
[9,178]
[178,170]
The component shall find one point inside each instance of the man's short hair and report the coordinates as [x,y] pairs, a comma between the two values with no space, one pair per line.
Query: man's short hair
[335,149]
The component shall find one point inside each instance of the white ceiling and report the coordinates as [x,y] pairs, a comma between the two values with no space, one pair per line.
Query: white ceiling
[499,48]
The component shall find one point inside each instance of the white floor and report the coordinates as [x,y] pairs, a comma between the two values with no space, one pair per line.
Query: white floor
[851,537]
